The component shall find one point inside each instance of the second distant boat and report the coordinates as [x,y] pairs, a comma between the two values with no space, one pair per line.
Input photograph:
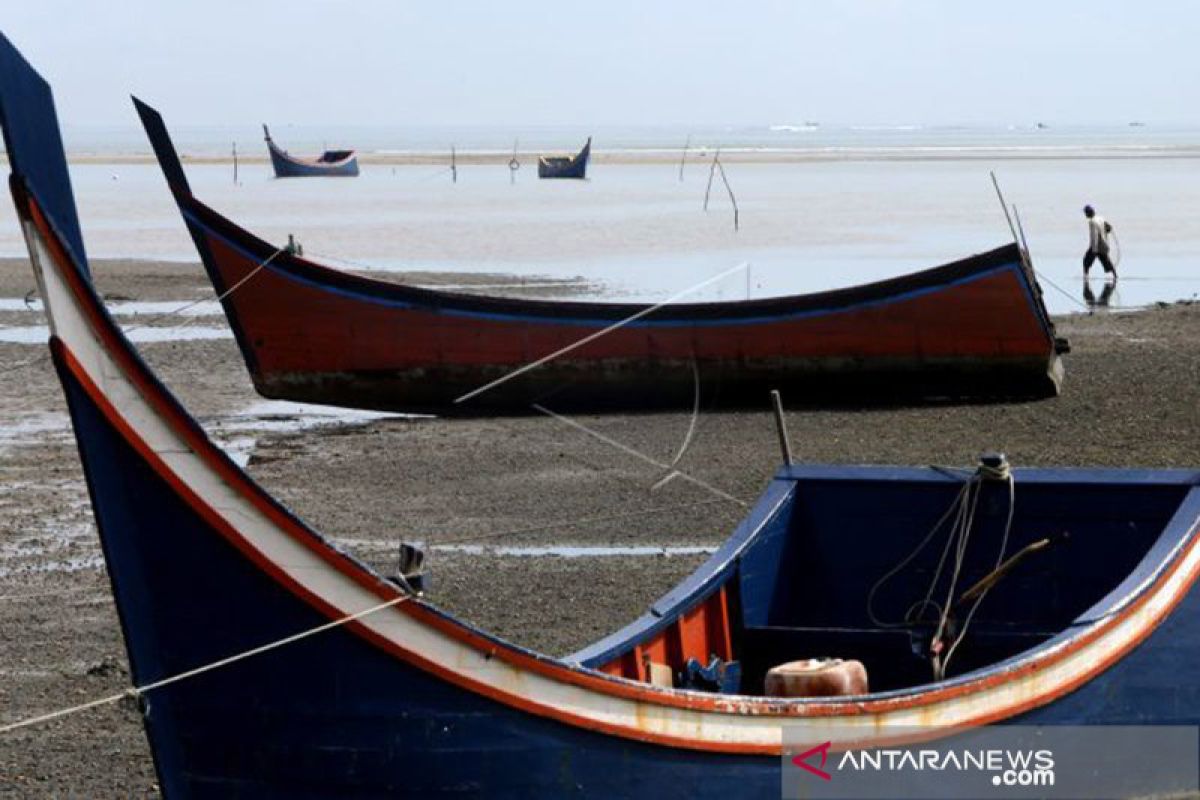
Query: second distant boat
[566,166]
[331,163]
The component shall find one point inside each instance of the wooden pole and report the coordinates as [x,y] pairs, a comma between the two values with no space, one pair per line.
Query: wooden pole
[683,156]
[732,199]
[711,172]
[1021,230]
[1004,207]
[453,165]
[235,164]
[781,427]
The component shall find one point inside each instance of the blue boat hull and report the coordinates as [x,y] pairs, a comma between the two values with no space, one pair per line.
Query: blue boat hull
[333,714]
[266,666]
[566,166]
[330,715]
[288,167]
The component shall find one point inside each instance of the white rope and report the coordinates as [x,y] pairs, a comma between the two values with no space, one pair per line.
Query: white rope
[624,448]
[603,332]
[692,423]
[165,315]
[219,298]
[1042,277]
[963,510]
[937,526]
[961,535]
[1012,500]
[137,691]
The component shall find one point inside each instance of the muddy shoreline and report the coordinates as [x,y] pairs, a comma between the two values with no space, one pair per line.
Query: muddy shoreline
[1131,398]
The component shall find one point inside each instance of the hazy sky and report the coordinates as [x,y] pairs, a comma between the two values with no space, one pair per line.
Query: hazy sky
[616,62]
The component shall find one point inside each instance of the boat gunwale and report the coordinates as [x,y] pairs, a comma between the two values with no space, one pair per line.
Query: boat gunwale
[712,574]
[163,403]
[305,161]
[761,310]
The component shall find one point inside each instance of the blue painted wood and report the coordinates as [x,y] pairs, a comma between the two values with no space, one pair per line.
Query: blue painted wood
[34,145]
[330,715]
[566,166]
[801,570]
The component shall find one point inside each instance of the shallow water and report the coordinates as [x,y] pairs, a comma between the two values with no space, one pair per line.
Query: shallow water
[635,232]
[238,433]
[40,334]
[132,308]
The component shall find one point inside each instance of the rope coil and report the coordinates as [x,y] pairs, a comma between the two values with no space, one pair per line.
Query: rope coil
[962,511]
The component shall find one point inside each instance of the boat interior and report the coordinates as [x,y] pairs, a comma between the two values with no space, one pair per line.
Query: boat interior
[836,563]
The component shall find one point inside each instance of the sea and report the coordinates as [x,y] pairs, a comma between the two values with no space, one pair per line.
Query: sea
[794,207]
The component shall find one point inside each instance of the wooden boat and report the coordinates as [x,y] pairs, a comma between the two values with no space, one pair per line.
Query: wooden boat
[331,163]
[973,328]
[566,166]
[270,663]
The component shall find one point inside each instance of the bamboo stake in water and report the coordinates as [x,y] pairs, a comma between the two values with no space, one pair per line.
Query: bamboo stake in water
[732,199]
[683,156]
[711,172]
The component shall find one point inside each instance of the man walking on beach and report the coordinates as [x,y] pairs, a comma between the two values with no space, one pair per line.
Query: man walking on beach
[1098,230]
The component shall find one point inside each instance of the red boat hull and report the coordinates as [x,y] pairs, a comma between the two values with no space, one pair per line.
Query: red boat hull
[972,329]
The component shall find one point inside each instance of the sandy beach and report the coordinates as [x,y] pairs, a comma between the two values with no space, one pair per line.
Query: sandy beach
[536,531]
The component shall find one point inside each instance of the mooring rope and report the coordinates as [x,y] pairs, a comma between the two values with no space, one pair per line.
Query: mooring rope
[1042,277]
[579,426]
[138,691]
[150,322]
[602,332]
[962,633]
[963,511]
[219,298]
[693,422]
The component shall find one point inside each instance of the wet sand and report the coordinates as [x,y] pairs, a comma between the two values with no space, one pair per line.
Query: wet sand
[1131,397]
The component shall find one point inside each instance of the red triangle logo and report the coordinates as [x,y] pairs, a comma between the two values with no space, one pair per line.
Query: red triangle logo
[801,760]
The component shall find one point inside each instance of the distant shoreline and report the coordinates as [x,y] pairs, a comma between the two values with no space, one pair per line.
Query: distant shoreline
[729,155]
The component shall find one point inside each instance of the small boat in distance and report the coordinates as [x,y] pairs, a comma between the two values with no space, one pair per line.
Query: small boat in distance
[268,662]
[566,166]
[975,328]
[331,163]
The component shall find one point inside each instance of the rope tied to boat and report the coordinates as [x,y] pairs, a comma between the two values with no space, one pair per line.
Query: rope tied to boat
[137,692]
[961,514]
[166,314]
[602,332]
[157,318]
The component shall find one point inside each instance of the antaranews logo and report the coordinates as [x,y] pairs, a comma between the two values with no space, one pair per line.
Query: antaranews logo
[998,761]
[1005,767]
